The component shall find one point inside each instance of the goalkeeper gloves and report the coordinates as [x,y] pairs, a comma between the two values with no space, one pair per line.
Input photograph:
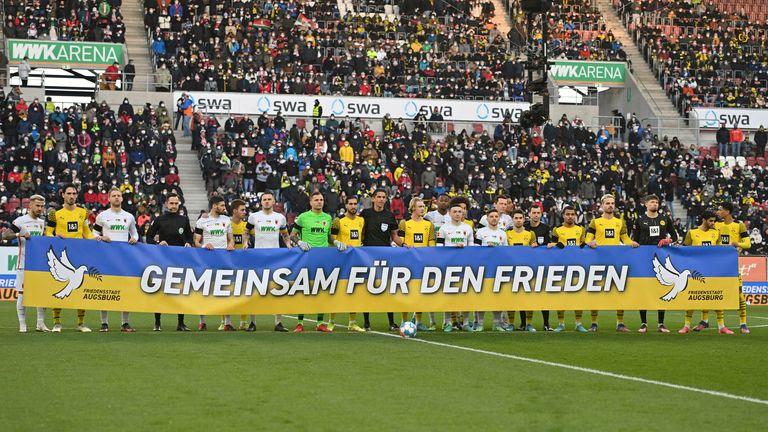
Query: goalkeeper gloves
[665,242]
[340,246]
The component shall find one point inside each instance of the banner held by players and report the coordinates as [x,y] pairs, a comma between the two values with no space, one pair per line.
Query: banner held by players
[141,278]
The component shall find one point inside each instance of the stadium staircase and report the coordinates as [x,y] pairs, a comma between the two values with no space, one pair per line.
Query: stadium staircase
[190,174]
[501,18]
[137,45]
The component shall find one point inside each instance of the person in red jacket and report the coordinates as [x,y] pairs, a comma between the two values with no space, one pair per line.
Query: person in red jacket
[397,206]
[737,137]
[111,75]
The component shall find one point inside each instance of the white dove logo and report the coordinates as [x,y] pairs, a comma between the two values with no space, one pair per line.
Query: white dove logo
[63,271]
[668,275]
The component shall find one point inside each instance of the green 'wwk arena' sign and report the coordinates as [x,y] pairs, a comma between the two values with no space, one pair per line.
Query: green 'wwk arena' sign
[610,74]
[93,55]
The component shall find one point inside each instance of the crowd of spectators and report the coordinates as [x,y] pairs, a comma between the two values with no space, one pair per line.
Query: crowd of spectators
[701,55]
[561,163]
[96,147]
[64,20]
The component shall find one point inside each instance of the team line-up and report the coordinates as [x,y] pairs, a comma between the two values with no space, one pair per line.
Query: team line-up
[446,226]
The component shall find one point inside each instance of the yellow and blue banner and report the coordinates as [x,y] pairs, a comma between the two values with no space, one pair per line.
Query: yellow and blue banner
[86,274]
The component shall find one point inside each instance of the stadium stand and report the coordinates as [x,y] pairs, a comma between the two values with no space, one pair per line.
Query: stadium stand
[98,21]
[45,146]
[704,53]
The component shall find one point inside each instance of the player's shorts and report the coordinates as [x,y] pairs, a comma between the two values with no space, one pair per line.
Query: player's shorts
[20,281]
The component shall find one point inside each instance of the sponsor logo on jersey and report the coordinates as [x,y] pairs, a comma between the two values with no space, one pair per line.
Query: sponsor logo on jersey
[72,226]
[610,233]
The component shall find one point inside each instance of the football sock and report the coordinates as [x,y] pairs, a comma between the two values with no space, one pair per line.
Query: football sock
[529,317]
[432,318]
[202,319]
[332,317]
[157,319]
[465,317]
[496,318]
[404,316]
[301,319]
[56,316]
[367,319]
[180,318]
[391,317]
[419,315]
[453,317]
[705,315]
[688,317]
[742,309]
[353,317]
[244,317]
[593,314]
[545,317]
[579,314]
[720,318]
[252,319]
[448,317]
[661,317]
[619,317]
[80,316]
[523,318]
[480,317]
[227,319]
[124,317]
[644,316]
[320,318]
[278,318]
[21,311]
[104,316]
[511,317]
[561,317]
[40,315]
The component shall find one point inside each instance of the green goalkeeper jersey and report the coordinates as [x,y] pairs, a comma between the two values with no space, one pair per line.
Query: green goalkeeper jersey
[314,228]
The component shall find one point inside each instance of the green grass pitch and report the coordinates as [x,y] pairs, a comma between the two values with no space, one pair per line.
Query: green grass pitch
[219,381]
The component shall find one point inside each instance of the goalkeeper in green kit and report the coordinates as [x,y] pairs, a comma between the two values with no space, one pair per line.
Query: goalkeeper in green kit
[313,229]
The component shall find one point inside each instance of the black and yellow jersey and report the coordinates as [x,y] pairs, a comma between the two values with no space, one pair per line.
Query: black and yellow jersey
[699,237]
[238,229]
[471,223]
[608,232]
[348,231]
[734,232]
[522,238]
[573,236]
[69,224]
[417,234]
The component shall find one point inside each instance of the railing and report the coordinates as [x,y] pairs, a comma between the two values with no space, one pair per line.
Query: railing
[674,127]
[141,82]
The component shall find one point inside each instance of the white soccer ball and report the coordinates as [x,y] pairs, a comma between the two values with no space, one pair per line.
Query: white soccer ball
[408,330]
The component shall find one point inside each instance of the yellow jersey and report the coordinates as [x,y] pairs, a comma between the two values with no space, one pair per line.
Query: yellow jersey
[699,237]
[573,236]
[348,231]
[470,223]
[417,234]
[734,232]
[238,229]
[608,232]
[70,224]
[523,238]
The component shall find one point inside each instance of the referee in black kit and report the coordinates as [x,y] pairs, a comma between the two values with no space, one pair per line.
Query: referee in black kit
[652,228]
[543,234]
[172,229]
[380,230]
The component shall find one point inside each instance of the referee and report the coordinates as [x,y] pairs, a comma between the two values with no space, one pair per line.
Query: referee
[543,233]
[172,229]
[651,228]
[380,230]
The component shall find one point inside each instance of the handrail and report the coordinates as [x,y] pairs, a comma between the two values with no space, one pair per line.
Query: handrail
[141,82]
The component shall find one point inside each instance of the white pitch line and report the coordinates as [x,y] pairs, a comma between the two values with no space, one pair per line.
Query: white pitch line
[576,368]
[758,317]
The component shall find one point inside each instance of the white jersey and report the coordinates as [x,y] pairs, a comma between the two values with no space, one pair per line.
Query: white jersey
[486,236]
[214,230]
[27,225]
[437,219]
[119,226]
[453,235]
[505,221]
[266,229]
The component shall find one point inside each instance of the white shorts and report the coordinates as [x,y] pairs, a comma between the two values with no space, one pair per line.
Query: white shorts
[20,281]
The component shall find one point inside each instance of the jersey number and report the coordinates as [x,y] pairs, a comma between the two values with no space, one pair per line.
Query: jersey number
[72,227]
[610,233]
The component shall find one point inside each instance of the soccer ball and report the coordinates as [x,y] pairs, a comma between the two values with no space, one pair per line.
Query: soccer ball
[408,330]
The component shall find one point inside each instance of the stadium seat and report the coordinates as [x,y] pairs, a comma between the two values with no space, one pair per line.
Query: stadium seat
[25,203]
[751,161]
[741,161]
[761,161]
